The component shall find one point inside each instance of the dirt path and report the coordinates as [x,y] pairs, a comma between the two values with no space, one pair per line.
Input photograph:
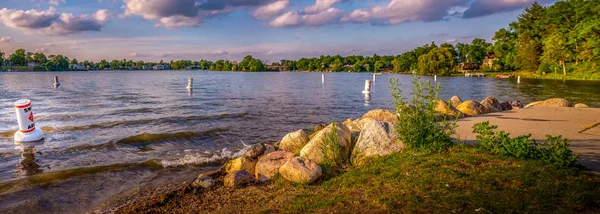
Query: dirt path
[580,125]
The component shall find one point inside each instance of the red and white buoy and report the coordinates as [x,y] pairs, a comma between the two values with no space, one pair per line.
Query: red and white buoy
[27,130]
[367,87]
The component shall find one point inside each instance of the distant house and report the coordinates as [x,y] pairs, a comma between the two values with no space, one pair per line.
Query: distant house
[488,61]
[146,67]
[77,67]
[7,64]
[31,64]
[162,67]
[469,66]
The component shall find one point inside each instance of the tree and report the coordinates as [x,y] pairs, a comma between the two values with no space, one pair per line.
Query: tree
[505,48]
[39,58]
[74,61]
[18,57]
[529,31]
[438,61]
[556,49]
[1,58]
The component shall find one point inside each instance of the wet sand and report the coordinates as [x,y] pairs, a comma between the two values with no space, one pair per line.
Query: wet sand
[568,122]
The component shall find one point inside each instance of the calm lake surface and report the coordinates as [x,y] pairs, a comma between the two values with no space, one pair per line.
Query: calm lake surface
[108,134]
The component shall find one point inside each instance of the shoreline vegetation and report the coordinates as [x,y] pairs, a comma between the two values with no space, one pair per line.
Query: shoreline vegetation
[401,161]
[561,41]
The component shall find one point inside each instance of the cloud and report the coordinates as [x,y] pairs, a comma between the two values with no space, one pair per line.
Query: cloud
[42,50]
[6,39]
[439,34]
[172,14]
[138,55]
[271,10]
[56,2]
[400,11]
[50,23]
[320,14]
[49,44]
[220,53]
[480,8]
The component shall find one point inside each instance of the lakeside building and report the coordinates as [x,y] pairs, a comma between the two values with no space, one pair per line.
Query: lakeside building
[162,67]
[31,64]
[488,61]
[77,67]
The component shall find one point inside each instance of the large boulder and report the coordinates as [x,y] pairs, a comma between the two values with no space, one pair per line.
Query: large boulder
[300,170]
[455,101]
[554,102]
[238,178]
[443,108]
[471,108]
[581,105]
[320,148]
[268,165]
[376,139]
[491,105]
[241,163]
[293,142]
[356,125]
[382,115]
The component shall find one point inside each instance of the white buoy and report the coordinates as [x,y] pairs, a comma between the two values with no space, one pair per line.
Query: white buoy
[27,130]
[56,83]
[322,78]
[367,87]
[519,80]
[190,83]
[435,78]
[374,78]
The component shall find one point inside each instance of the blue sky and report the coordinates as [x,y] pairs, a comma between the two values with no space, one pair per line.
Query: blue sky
[153,30]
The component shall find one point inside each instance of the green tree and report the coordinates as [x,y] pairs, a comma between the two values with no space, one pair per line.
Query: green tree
[1,58]
[556,49]
[439,61]
[18,58]
[39,58]
[530,31]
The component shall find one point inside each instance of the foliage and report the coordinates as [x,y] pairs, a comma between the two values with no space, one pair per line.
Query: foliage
[418,127]
[555,150]
[439,61]
[332,151]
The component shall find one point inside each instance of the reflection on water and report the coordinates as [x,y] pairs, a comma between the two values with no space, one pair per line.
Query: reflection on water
[28,165]
[367,99]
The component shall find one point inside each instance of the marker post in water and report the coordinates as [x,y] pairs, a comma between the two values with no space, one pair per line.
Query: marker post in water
[435,78]
[27,130]
[190,83]
[56,83]
[322,78]
[519,80]
[367,90]
[374,78]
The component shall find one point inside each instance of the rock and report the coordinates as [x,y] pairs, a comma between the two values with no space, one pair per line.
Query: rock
[347,122]
[357,125]
[300,170]
[268,165]
[516,104]
[506,106]
[255,151]
[314,148]
[444,109]
[556,102]
[204,182]
[471,108]
[293,142]
[241,163]
[581,105]
[319,127]
[238,178]
[269,149]
[455,101]
[491,105]
[533,104]
[382,115]
[376,139]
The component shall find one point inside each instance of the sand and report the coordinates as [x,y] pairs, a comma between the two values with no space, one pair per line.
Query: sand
[568,122]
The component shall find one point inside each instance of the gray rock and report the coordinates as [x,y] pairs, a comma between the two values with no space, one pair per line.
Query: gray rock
[204,182]
[317,149]
[293,142]
[238,178]
[300,170]
[255,151]
[491,105]
[382,115]
[376,139]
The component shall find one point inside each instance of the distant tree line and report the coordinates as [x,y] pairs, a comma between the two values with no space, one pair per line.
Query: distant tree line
[541,40]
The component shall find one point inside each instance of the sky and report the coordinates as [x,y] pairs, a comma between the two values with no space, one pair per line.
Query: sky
[271,30]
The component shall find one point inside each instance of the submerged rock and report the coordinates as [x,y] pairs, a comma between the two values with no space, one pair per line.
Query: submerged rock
[268,165]
[300,170]
[240,163]
[293,142]
[471,108]
[581,105]
[382,115]
[238,178]
[376,139]
[491,105]
[319,147]
[455,101]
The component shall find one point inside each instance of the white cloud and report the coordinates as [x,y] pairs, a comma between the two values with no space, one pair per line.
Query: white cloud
[321,5]
[6,39]
[271,10]
[50,23]
[220,52]
[56,2]
[320,14]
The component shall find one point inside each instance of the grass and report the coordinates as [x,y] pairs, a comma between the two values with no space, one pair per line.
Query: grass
[464,179]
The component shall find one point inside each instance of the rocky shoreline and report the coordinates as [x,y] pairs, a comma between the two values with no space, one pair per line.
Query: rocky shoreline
[301,155]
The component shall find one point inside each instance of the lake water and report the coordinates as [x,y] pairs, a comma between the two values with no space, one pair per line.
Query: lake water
[109,134]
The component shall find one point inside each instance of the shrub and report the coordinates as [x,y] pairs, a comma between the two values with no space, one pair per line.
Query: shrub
[332,150]
[555,150]
[417,125]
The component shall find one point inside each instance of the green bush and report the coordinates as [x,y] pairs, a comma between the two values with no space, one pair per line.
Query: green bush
[332,151]
[555,150]
[418,127]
